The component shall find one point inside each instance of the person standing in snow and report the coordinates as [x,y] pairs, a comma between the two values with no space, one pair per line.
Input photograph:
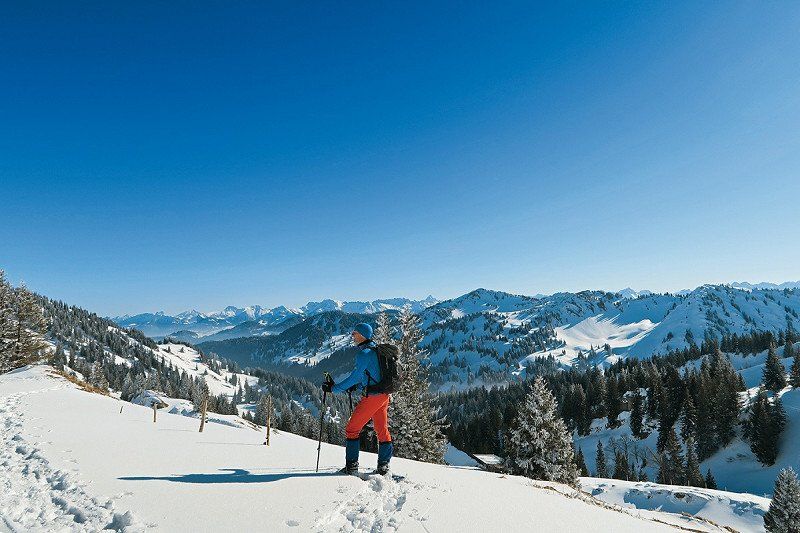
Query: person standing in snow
[373,406]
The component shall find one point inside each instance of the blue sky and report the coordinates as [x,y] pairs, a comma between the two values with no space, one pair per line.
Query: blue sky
[205,154]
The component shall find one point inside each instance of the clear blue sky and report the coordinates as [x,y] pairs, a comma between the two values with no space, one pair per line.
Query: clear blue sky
[170,155]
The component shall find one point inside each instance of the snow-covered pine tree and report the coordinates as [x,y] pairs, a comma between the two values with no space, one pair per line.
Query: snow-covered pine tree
[262,410]
[794,373]
[539,445]
[600,461]
[774,378]
[783,515]
[200,394]
[28,326]
[98,377]
[417,430]
[7,325]
[383,329]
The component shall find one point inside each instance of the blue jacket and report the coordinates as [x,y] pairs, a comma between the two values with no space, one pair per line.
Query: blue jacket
[366,360]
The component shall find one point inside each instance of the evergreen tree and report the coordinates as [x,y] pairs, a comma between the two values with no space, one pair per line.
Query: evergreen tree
[637,416]
[262,410]
[783,515]
[200,394]
[688,419]
[613,402]
[621,468]
[98,377]
[539,445]
[600,461]
[383,329]
[774,378]
[22,327]
[417,430]
[794,373]
[580,462]
[764,426]
[711,483]
[7,325]
[671,459]
[694,478]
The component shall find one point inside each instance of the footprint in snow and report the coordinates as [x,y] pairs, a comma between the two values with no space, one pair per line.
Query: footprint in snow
[292,523]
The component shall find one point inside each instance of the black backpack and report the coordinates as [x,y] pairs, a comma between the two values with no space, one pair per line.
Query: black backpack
[391,373]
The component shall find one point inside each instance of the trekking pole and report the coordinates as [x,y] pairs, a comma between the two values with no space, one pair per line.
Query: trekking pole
[350,395]
[328,379]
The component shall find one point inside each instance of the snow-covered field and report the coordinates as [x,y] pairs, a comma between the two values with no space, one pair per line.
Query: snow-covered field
[73,462]
[741,512]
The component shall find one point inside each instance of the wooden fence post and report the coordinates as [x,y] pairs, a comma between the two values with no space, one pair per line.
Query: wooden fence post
[203,415]
[155,410]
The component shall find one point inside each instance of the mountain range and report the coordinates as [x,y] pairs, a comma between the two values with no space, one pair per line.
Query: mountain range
[234,322]
[488,336]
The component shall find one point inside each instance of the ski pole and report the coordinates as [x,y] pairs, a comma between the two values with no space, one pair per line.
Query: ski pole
[328,379]
[350,395]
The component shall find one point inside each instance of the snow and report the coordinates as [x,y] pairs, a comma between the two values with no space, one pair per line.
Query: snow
[742,512]
[73,462]
[188,360]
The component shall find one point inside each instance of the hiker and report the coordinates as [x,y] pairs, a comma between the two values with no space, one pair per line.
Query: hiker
[373,405]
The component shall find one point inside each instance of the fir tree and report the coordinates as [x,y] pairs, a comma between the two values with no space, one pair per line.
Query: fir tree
[580,462]
[539,445]
[262,410]
[637,416]
[783,515]
[22,326]
[383,329]
[711,483]
[621,468]
[764,426]
[693,476]
[613,403]
[417,430]
[671,461]
[688,419]
[600,461]
[200,394]
[794,373]
[774,378]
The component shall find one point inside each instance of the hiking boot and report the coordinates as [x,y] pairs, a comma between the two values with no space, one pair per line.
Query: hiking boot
[383,469]
[350,468]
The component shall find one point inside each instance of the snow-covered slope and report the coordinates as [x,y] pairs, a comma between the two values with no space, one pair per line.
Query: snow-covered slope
[73,462]
[741,512]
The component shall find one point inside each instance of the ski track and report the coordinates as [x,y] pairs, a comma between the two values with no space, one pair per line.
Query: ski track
[35,497]
[375,507]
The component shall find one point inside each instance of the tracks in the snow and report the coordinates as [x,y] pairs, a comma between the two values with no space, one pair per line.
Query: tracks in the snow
[375,507]
[34,495]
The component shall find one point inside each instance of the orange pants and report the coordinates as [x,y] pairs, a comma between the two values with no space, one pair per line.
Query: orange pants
[376,407]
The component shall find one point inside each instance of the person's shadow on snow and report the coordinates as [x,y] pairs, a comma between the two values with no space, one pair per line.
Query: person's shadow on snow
[230,475]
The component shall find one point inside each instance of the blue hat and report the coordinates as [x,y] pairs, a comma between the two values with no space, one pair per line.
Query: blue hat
[364,329]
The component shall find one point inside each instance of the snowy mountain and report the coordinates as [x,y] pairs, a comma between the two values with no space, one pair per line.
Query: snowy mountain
[490,336]
[254,320]
[165,476]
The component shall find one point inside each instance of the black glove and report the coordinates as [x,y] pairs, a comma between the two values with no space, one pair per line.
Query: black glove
[327,386]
